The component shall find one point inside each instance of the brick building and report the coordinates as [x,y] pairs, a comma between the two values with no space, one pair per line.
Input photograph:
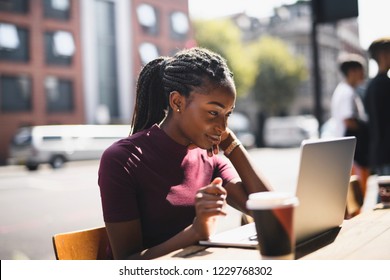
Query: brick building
[71,61]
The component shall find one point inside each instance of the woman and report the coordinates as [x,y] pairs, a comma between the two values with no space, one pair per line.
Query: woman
[163,186]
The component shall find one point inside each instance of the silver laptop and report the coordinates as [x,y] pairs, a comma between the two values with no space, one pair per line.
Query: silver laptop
[323,179]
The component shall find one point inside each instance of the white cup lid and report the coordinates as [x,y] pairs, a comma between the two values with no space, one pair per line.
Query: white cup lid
[271,199]
[383,179]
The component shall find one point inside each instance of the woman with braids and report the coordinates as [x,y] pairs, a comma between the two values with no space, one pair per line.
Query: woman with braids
[163,186]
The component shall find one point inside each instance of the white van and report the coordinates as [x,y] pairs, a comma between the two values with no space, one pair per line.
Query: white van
[57,144]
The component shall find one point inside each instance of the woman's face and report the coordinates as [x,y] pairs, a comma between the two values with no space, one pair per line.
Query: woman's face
[205,115]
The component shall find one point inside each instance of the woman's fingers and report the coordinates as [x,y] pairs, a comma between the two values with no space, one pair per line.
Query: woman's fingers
[215,188]
[211,199]
[214,209]
[209,203]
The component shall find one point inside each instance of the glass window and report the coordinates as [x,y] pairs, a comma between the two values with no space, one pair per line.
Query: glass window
[63,43]
[15,93]
[147,18]
[9,38]
[179,25]
[58,9]
[59,47]
[13,43]
[59,95]
[15,6]
[106,51]
[148,52]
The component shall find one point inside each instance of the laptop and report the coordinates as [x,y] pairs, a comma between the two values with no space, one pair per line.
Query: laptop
[322,186]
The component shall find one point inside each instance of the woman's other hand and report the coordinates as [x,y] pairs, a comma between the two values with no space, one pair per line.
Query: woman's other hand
[210,202]
[227,138]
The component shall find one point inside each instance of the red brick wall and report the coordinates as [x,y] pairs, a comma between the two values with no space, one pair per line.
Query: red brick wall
[37,70]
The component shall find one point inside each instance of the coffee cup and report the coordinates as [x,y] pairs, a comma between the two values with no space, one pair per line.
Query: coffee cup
[384,190]
[273,213]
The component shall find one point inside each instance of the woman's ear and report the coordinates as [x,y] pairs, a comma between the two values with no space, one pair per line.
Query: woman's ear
[176,101]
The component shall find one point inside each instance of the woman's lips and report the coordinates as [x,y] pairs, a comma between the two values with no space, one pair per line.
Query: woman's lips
[214,139]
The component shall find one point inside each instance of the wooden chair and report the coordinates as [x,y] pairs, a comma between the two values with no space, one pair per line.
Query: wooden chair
[88,244]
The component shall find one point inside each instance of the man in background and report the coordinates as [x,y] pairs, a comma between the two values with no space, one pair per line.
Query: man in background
[377,104]
[349,119]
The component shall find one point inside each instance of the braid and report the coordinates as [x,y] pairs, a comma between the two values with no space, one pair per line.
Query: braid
[151,101]
[188,69]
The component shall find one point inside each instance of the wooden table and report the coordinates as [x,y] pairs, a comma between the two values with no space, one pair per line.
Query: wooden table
[366,236]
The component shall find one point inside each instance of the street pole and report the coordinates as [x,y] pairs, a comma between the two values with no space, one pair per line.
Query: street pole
[323,11]
[316,68]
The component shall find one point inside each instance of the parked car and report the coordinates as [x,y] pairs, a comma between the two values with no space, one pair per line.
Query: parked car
[57,144]
[240,125]
[289,131]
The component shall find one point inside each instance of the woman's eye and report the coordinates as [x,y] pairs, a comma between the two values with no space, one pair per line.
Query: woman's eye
[213,113]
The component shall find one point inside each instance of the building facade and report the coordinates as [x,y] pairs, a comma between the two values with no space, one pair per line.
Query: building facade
[292,24]
[76,62]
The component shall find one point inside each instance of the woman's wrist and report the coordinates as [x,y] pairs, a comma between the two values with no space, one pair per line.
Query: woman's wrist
[229,144]
[235,143]
[195,230]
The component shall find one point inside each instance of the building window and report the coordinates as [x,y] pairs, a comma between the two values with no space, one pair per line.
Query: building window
[13,43]
[57,9]
[148,19]
[15,6]
[179,25]
[148,52]
[106,49]
[15,93]
[59,95]
[59,47]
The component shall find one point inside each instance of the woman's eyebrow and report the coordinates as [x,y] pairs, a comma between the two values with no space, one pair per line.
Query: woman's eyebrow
[218,104]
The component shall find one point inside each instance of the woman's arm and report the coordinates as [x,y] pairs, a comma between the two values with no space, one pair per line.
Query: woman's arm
[251,179]
[126,237]
[126,241]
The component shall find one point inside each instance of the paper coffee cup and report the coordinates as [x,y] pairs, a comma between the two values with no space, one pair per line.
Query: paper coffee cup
[273,214]
[384,189]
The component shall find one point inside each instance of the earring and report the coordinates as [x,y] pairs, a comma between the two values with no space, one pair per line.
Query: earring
[178,110]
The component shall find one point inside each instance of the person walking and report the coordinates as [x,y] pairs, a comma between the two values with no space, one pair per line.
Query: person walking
[349,119]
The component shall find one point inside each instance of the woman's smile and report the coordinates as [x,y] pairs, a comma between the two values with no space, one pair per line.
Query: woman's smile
[214,139]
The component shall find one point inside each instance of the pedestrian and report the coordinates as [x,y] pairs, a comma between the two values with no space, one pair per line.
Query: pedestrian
[349,119]
[377,103]
[163,187]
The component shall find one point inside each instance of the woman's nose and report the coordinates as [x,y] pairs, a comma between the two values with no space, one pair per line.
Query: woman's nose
[222,125]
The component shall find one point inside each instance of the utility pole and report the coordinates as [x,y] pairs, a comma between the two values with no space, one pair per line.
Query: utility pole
[316,67]
[323,11]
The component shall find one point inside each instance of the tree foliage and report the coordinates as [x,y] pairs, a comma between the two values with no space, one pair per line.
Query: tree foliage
[265,67]
[223,37]
[278,77]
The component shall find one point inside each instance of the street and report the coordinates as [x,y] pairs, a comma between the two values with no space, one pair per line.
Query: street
[36,205]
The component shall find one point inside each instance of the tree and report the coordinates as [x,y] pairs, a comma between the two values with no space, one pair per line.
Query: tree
[278,76]
[223,37]
[266,67]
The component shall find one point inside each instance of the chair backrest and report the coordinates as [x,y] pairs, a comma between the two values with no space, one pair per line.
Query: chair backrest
[88,244]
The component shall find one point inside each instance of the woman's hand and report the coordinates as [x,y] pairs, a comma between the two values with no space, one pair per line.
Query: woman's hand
[209,203]
[227,138]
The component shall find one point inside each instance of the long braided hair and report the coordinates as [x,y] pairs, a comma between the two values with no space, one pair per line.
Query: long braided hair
[183,72]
